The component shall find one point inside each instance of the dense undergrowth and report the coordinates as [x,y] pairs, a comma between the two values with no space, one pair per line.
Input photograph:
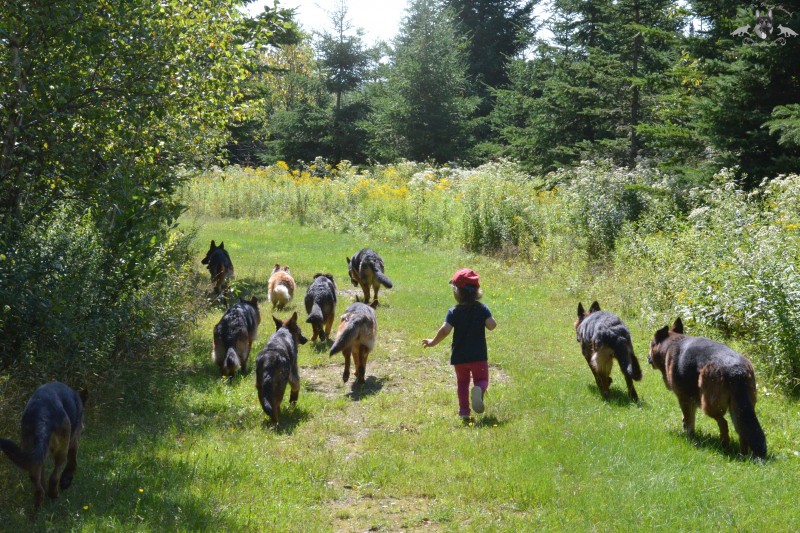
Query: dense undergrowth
[724,259]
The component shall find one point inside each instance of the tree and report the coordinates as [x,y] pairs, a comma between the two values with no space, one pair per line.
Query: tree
[423,110]
[588,91]
[101,103]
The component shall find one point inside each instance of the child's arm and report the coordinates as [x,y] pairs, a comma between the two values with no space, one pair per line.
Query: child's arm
[490,323]
[443,332]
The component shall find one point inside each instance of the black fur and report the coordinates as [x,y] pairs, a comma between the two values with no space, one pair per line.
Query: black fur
[234,335]
[219,264]
[276,367]
[599,330]
[53,409]
[321,304]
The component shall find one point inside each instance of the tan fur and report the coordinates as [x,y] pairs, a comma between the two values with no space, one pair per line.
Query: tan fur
[360,341]
[281,278]
[706,374]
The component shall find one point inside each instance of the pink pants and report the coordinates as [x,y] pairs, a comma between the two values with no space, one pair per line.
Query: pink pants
[480,377]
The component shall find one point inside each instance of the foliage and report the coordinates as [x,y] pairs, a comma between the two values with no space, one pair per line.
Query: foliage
[421,111]
[100,104]
[732,265]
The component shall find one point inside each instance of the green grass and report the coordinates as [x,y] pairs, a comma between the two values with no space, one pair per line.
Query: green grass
[171,447]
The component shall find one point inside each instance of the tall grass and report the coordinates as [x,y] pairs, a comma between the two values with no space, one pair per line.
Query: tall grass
[725,260]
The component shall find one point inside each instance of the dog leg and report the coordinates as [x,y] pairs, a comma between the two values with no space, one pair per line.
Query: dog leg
[689,410]
[365,288]
[631,389]
[72,463]
[362,365]
[724,436]
[60,458]
[376,287]
[357,363]
[346,374]
[36,474]
[294,382]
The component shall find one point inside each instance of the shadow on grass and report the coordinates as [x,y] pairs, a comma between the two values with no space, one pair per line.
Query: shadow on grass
[486,421]
[371,385]
[712,441]
[616,396]
[319,347]
[291,417]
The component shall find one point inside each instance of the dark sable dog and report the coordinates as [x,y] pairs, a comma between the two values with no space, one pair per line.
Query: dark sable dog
[276,367]
[356,336]
[706,373]
[321,305]
[219,265]
[604,337]
[51,423]
[366,269]
[234,335]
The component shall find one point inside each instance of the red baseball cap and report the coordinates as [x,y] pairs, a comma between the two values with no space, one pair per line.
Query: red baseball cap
[464,277]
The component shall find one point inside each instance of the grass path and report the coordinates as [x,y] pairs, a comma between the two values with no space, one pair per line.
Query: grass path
[173,448]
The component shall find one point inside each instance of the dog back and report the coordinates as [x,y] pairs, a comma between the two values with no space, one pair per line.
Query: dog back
[359,325]
[367,266]
[322,294]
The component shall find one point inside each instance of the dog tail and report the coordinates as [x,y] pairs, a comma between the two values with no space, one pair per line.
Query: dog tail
[283,291]
[743,414]
[386,282]
[315,316]
[628,362]
[20,458]
[232,362]
[345,338]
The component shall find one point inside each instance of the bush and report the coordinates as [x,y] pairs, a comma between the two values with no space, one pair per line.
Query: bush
[71,308]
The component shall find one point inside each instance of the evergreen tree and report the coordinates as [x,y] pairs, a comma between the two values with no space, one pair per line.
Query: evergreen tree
[422,111]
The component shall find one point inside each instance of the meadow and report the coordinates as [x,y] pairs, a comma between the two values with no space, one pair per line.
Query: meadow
[171,447]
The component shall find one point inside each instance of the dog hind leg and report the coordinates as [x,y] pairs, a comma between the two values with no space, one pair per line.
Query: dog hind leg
[72,462]
[346,373]
[294,382]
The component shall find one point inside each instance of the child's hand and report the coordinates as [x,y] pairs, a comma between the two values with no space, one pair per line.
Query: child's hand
[427,342]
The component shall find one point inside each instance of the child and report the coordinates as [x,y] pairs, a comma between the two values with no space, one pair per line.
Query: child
[468,354]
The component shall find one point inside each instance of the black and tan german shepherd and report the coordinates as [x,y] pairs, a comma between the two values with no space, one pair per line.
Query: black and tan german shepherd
[51,424]
[321,305]
[705,373]
[276,366]
[603,338]
[234,335]
[356,337]
[366,269]
[220,266]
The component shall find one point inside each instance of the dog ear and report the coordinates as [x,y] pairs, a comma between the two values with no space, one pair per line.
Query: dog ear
[292,321]
[278,323]
[677,326]
[661,334]
[254,300]
[222,245]
[595,307]
[348,261]
[581,311]
[329,276]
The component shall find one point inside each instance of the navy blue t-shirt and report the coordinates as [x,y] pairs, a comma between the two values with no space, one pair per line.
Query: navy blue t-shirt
[469,332]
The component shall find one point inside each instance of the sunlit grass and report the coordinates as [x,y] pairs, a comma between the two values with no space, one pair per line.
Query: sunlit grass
[171,447]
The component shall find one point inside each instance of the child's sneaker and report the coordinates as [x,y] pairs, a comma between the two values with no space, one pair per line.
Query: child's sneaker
[477,399]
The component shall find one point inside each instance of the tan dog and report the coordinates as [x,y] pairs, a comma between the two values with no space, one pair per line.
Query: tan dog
[281,286]
[356,336]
